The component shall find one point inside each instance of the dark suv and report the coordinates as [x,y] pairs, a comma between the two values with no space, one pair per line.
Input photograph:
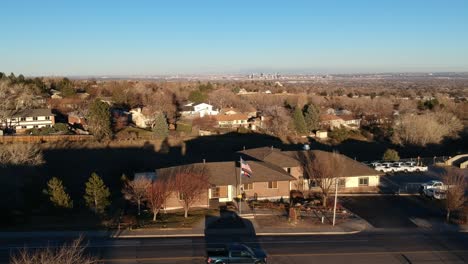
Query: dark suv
[235,253]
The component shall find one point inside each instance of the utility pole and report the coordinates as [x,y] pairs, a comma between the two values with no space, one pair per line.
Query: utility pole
[336,198]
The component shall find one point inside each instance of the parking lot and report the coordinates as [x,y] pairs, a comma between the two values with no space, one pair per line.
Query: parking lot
[409,183]
[394,211]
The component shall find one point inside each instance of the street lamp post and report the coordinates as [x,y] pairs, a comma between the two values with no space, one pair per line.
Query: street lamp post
[336,198]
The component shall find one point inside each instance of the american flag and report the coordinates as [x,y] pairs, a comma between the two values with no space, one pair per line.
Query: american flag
[245,168]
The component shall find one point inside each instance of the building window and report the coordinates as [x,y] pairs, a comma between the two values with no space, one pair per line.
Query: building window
[215,192]
[181,196]
[247,186]
[272,185]
[313,183]
[47,118]
[23,127]
[364,181]
[35,126]
[342,182]
[23,119]
[35,118]
[288,170]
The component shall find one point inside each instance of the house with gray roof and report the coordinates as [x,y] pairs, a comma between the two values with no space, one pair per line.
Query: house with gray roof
[31,118]
[356,176]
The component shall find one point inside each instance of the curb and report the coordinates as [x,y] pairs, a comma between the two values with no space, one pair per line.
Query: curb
[257,234]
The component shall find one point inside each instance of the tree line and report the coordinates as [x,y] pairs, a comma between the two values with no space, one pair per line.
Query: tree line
[189,183]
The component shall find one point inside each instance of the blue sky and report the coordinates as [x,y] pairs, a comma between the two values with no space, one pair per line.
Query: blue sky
[223,36]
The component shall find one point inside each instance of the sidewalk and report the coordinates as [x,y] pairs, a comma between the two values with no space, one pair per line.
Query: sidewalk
[197,231]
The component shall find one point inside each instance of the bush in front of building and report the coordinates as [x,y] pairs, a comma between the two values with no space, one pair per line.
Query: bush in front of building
[58,128]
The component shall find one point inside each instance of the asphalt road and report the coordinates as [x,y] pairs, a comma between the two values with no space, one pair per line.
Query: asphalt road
[393,211]
[378,246]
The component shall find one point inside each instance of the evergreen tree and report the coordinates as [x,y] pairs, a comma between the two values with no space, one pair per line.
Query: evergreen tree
[99,119]
[299,121]
[197,97]
[160,127]
[312,117]
[57,194]
[97,194]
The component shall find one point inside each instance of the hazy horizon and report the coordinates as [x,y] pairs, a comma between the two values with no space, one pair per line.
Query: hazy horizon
[119,38]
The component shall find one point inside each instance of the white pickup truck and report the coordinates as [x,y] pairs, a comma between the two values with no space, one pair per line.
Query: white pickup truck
[411,166]
[398,167]
[434,189]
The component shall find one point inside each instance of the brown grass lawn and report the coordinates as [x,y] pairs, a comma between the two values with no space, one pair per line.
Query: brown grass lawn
[176,219]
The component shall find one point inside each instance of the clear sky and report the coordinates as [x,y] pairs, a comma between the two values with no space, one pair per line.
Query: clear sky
[232,36]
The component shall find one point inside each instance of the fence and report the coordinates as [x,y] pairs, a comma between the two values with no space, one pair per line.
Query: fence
[39,139]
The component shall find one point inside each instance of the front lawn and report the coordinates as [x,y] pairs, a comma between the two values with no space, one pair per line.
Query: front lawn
[175,219]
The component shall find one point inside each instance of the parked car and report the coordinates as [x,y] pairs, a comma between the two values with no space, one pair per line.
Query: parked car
[384,167]
[433,189]
[235,253]
[412,167]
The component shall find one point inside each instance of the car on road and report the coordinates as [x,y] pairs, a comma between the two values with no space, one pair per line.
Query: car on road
[235,253]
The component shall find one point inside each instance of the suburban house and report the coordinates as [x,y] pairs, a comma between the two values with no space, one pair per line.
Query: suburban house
[198,110]
[267,182]
[77,119]
[357,176]
[334,121]
[232,120]
[31,118]
[232,111]
[140,117]
[330,121]
[274,174]
[351,121]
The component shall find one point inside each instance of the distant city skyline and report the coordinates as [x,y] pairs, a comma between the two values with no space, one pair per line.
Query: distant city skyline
[96,38]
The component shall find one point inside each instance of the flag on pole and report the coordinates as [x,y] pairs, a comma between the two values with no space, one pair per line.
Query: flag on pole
[245,168]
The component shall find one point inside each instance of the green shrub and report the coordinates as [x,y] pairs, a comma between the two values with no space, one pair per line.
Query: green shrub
[391,155]
[339,134]
[61,127]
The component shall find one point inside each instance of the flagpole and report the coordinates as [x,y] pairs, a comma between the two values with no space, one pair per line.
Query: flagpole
[240,185]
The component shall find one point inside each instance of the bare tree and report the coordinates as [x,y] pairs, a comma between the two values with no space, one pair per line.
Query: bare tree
[322,169]
[72,253]
[425,129]
[279,120]
[157,194]
[135,191]
[190,182]
[20,154]
[14,98]
[456,188]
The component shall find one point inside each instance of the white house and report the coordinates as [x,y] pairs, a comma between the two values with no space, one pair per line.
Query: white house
[31,118]
[140,117]
[198,110]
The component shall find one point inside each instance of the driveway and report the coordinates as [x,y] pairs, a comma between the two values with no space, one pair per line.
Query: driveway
[392,211]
